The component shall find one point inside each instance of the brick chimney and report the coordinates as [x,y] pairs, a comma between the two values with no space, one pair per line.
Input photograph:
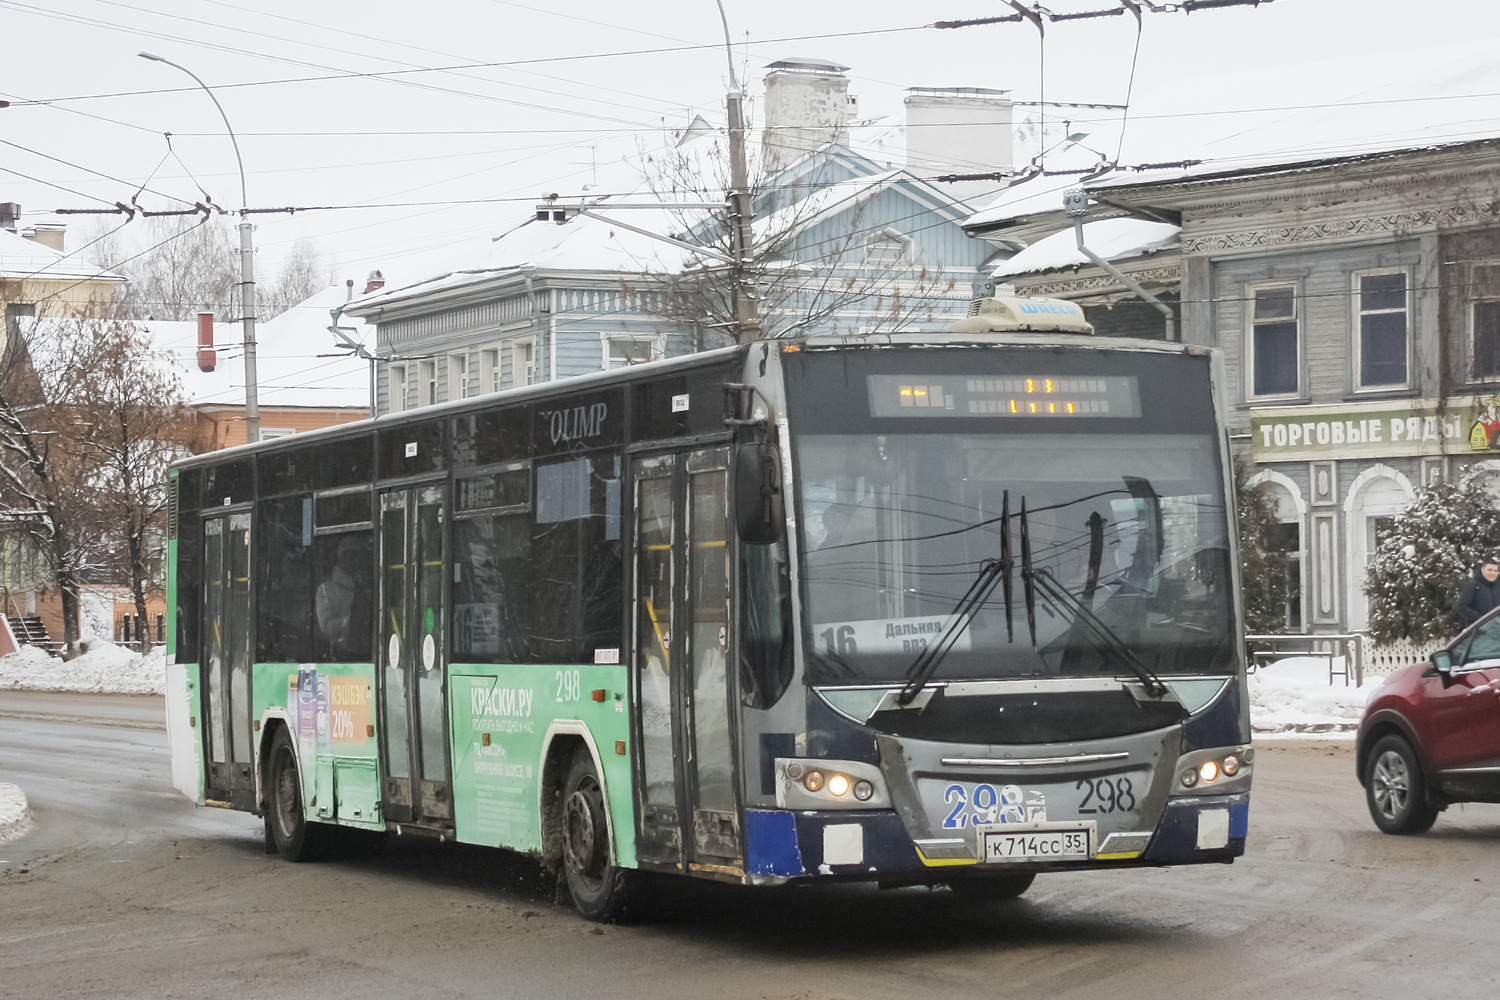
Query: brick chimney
[208,358]
[50,236]
[958,130]
[807,105]
[375,282]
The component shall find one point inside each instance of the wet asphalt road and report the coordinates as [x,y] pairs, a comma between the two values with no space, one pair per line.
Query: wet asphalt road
[123,889]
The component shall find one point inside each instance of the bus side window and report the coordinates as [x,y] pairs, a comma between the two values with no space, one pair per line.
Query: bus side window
[189,564]
[577,568]
[492,588]
[284,581]
[343,603]
[765,625]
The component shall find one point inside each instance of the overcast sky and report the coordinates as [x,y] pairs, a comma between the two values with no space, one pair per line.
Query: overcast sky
[1290,78]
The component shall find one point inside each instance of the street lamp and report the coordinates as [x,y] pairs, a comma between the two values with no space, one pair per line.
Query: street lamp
[247,264]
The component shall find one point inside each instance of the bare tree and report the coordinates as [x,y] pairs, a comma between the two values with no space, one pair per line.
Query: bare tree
[90,416]
[302,274]
[853,277]
[136,410]
[46,493]
[193,265]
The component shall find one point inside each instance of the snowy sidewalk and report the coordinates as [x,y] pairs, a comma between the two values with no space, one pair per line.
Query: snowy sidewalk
[15,818]
[104,669]
[1292,697]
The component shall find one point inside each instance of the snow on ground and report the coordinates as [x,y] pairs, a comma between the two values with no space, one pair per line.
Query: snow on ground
[14,817]
[104,669]
[1293,696]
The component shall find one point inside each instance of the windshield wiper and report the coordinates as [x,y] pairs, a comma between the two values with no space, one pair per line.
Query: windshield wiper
[991,571]
[1106,640]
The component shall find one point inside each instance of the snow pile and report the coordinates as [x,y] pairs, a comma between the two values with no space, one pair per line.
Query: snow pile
[14,817]
[105,669]
[1293,695]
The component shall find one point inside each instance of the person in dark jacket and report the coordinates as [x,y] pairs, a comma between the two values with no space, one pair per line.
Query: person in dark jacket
[1481,594]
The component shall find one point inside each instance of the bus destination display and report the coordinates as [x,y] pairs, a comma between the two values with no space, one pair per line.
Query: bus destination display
[1004,396]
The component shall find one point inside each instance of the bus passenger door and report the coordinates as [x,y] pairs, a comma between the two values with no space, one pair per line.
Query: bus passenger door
[226,658]
[710,759]
[681,619]
[413,654]
[660,836]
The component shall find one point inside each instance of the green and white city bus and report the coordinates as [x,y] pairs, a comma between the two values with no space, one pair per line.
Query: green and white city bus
[917,609]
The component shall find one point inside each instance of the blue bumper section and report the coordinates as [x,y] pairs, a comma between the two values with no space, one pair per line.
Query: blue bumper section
[1177,835]
[789,844]
[771,843]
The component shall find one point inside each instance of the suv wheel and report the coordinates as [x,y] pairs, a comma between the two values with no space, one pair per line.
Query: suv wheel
[1395,788]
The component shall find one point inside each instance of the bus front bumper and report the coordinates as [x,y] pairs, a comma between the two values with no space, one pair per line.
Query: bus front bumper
[784,844]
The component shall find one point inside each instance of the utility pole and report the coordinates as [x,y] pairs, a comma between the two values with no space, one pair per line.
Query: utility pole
[742,219]
[741,207]
[247,266]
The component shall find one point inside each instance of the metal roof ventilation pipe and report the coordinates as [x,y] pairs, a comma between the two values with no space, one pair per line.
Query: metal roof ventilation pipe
[208,357]
[1076,204]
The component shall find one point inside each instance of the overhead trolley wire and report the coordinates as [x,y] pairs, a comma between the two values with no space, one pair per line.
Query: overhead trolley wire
[534,61]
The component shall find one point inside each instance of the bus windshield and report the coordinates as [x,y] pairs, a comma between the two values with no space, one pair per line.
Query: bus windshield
[1122,523]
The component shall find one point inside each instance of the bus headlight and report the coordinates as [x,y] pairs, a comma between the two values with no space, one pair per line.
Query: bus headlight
[829,784]
[1224,769]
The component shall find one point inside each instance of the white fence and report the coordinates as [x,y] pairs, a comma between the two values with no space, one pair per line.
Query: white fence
[1389,658]
[1342,652]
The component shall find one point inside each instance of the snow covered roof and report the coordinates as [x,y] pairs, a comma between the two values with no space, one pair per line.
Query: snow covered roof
[589,244]
[581,244]
[1449,101]
[294,358]
[1112,239]
[23,258]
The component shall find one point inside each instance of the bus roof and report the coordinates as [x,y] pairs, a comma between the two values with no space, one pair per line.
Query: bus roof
[688,362]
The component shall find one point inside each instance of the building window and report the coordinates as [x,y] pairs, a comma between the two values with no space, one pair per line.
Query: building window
[427,386]
[885,249]
[1383,324]
[489,370]
[1285,544]
[523,362]
[621,352]
[1484,318]
[396,386]
[458,376]
[272,433]
[1275,342]
[1487,339]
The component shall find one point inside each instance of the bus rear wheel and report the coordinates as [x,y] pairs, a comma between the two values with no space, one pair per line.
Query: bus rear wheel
[1004,886]
[598,887]
[295,838]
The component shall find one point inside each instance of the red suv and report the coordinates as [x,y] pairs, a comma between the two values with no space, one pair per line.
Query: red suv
[1431,733]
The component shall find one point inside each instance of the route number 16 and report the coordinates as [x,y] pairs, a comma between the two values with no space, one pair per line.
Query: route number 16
[840,643]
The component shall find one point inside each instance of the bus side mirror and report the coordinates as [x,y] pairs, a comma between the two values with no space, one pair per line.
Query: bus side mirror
[757,493]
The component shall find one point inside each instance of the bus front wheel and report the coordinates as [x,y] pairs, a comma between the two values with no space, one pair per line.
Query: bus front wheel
[597,886]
